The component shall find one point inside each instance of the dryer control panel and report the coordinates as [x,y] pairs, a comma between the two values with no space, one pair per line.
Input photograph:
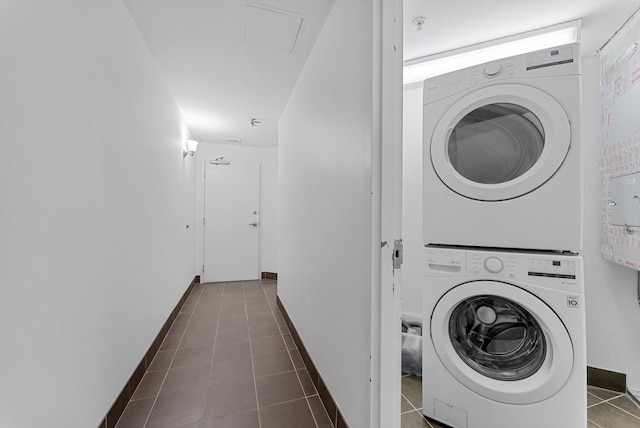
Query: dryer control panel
[552,62]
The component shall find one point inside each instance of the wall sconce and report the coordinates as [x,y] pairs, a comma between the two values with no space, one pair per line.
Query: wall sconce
[189,148]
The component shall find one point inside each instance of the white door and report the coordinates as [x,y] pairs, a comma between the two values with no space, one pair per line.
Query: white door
[231,221]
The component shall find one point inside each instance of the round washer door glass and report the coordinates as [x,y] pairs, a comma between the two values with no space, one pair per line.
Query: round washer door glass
[497,338]
[502,342]
[496,143]
[500,142]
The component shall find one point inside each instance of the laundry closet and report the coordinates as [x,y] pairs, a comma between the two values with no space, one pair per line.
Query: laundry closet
[502,265]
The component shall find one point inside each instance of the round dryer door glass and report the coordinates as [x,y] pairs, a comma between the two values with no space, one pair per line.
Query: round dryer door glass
[499,142]
[497,338]
[496,143]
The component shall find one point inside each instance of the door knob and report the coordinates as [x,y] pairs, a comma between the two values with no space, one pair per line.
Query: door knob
[254,224]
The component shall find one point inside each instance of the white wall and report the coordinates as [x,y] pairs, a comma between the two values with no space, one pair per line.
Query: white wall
[268,158]
[613,314]
[95,198]
[325,206]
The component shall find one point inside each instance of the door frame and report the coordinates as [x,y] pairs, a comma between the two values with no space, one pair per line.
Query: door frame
[386,159]
[200,214]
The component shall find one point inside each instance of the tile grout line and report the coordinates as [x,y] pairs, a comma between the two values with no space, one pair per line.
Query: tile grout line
[408,401]
[215,341]
[284,402]
[415,409]
[418,411]
[628,413]
[603,400]
[253,367]
[273,314]
[597,425]
[609,401]
[155,401]
[595,404]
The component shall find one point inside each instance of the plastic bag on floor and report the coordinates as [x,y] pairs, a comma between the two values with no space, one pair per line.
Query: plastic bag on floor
[411,349]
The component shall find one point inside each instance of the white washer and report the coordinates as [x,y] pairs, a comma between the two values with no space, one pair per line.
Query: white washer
[503,339]
[502,158]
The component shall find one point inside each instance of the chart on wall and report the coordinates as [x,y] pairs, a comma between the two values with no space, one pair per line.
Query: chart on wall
[620,145]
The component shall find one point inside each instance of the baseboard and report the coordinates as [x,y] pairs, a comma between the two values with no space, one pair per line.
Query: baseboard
[607,379]
[114,413]
[325,396]
[269,275]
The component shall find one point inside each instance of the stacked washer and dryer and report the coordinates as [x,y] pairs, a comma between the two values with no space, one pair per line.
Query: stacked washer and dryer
[504,328]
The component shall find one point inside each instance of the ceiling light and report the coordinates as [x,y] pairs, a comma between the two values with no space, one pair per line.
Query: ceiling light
[423,68]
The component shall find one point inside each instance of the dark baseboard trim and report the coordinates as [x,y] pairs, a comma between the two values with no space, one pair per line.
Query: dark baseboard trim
[269,275]
[325,396]
[114,413]
[607,379]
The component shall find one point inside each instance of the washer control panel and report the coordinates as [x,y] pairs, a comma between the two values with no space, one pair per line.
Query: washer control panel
[551,268]
[544,269]
[481,263]
[512,265]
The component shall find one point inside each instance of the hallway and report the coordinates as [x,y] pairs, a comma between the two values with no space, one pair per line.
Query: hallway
[228,361]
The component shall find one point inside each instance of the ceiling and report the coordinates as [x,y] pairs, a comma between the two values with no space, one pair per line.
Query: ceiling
[452,24]
[229,61]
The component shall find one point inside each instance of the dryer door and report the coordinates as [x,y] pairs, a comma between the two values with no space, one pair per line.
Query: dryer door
[500,142]
[502,342]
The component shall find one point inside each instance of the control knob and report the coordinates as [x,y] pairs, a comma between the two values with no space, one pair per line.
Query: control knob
[492,70]
[493,265]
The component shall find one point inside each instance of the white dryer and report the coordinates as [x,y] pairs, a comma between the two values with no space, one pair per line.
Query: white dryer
[503,339]
[502,159]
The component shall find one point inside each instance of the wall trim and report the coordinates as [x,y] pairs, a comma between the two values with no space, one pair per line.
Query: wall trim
[328,402]
[606,379]
[114,413]
[270,275]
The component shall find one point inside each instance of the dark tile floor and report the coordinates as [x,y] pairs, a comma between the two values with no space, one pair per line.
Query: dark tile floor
[605,409]
[228,361]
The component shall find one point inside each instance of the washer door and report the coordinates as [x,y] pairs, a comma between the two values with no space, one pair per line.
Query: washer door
[502,342]
[500,142]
